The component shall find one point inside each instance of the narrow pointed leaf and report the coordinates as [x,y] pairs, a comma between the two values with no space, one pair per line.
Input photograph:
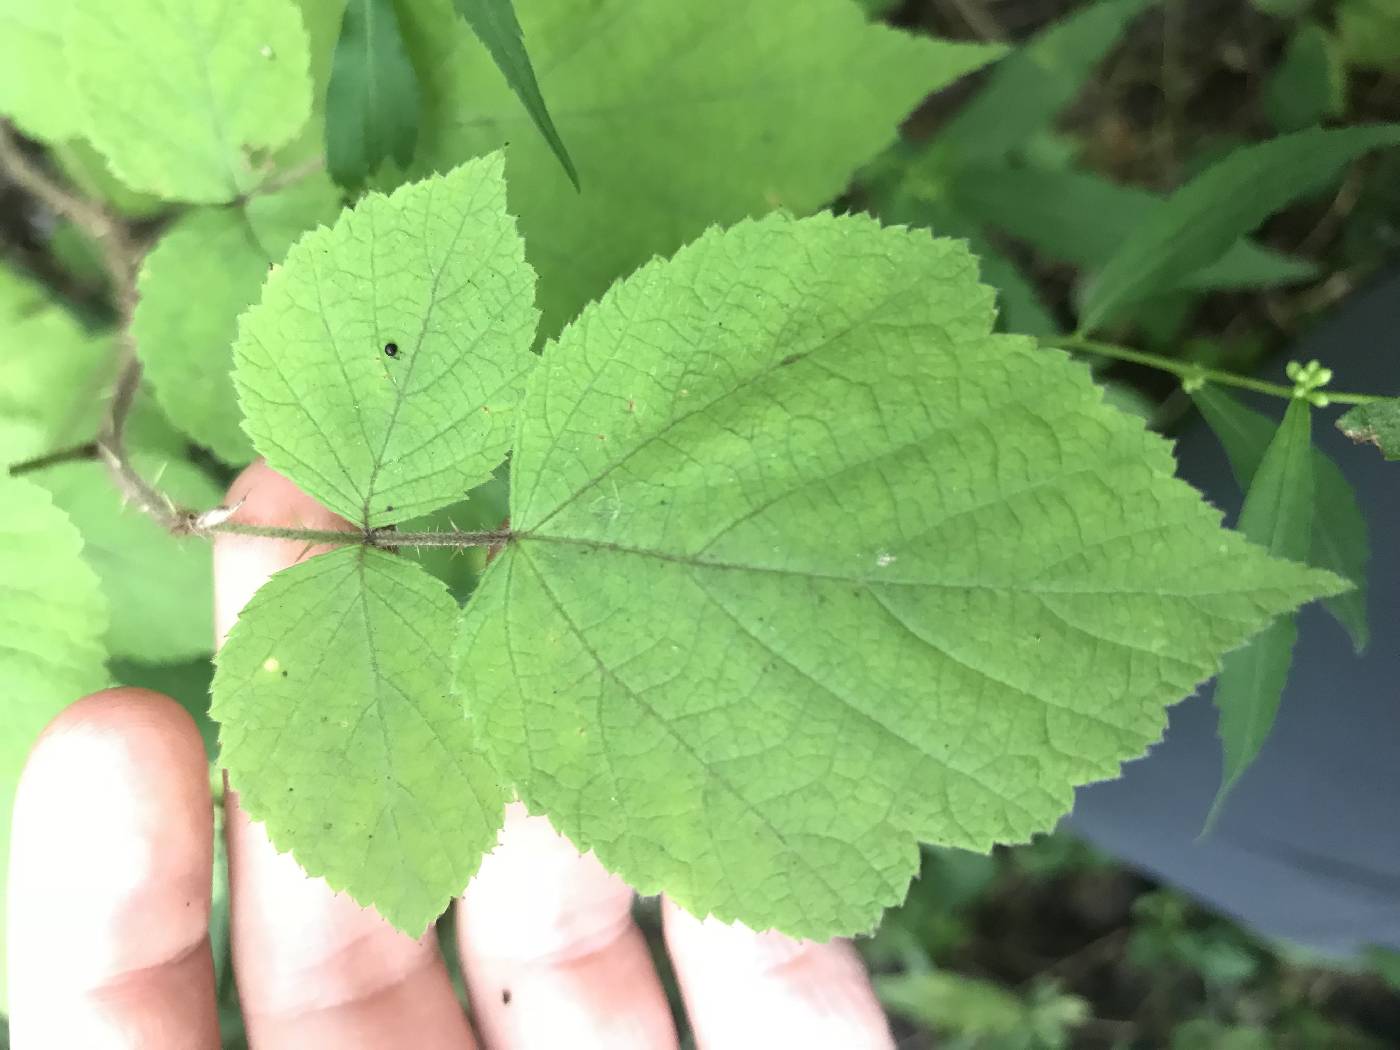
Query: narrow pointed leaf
[178,96]
[1277,515]
[382,366]
[495,24]
[338,732]
[1229,199]
[372,98]
[809,567]
[1083,218]
[50,638]
[1028,88]
[1375,424]
[1339,535]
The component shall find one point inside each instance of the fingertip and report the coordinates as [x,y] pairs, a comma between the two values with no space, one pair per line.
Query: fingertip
[127,717]
[120,740]
[112,849]
[265,497]
[744,988]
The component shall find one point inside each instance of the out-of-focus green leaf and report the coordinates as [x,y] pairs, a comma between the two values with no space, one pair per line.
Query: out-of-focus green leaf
[495,24]
[160,588]
[1084,218]
[1029,87]
[975,1009]
[736,122]
[1277,515]
[206,269]
[1283,8]
[372,99]
[52,373]
[1369,33]
[1309,84]
[1201,220]
[36,91]
[82,165]
[1339,535]
[1375,424]
[1018,303]
[181,97]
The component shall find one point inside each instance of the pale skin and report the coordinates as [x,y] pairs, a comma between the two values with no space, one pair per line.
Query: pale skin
[110,891]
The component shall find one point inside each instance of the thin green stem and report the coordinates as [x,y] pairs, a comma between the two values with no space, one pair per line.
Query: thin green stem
[1188,370]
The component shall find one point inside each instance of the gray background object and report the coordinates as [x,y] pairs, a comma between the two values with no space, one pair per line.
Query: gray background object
[1308,846]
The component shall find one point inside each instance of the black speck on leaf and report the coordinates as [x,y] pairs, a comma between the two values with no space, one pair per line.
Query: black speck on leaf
[790,359]
[505,996]
[391,349]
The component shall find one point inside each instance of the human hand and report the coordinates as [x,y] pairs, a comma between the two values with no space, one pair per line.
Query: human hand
[111,856]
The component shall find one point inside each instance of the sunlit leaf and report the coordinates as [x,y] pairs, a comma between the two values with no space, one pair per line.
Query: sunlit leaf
[339,733]
[382,366]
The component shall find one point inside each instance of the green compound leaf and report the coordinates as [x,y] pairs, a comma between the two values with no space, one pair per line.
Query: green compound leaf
[811,567]
[1375,424]
[1202,219]
[338,731]
[383,365]
[1339,534]
[177,95]
[495,24]
[735,122]
[52,617]
[1277,515]
[160,588]
[36,91]
[372,99]
[206,270]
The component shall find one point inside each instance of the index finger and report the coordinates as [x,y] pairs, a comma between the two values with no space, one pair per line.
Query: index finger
[110,880]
